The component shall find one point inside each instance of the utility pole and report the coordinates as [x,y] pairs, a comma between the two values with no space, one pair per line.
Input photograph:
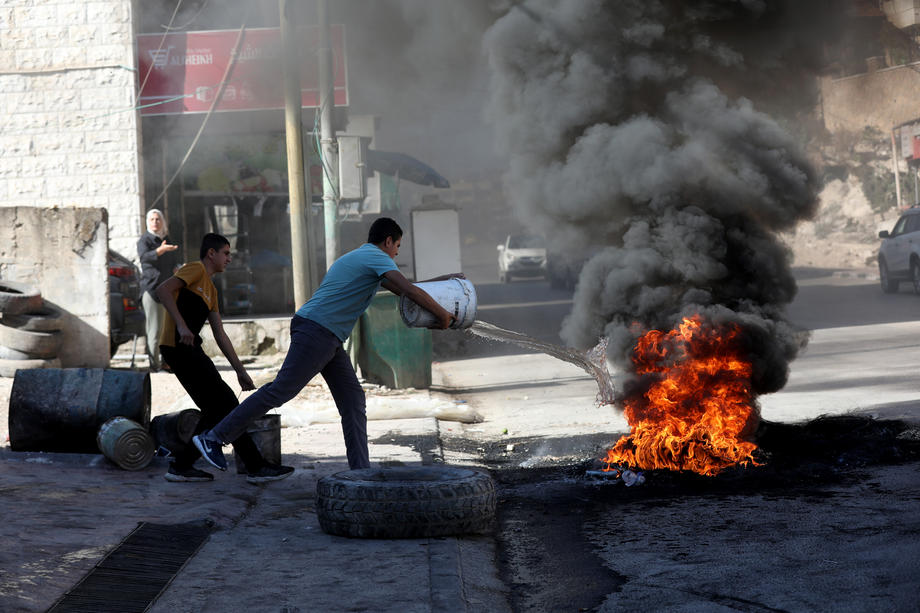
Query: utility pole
[897,172]
[327,135]
[298,189]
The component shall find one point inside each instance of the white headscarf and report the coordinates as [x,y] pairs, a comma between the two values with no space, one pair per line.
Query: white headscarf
[163,230]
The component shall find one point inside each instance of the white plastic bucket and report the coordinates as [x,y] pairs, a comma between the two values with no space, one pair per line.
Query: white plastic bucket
[458,296]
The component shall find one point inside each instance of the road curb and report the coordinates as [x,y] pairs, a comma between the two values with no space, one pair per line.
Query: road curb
[85,460]
[869,274]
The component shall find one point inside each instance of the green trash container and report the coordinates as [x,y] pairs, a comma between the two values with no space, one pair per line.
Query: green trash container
[389,352]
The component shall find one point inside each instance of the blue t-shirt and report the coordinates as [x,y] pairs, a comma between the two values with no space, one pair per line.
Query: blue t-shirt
[347,289]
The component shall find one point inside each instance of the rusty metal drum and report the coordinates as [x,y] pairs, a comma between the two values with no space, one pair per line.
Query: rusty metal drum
[61,409]
[126,443]
[173,431]
[265,432]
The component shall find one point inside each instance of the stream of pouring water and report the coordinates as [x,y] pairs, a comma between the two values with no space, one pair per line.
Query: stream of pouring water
[593,362]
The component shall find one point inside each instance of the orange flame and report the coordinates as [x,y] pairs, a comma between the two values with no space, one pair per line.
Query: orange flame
[699,405]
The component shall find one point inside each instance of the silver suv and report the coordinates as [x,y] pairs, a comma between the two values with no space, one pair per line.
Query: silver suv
[899,254]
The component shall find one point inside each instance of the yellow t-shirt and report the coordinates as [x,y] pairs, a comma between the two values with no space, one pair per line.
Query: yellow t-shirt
[195,302]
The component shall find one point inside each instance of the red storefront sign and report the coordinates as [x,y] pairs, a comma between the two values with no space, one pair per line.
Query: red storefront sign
[181,73]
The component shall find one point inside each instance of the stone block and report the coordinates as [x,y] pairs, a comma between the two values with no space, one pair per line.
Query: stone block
[117,34]
[53,36]
[65,187]
[68,101]
[86,164]
[30,102]
[44,166]
[123,163]
[19,38]
[73,13]
[56,143]
[98,55]
[111,183]
[10,167]
[70,56]
[34,59]
[34,15]
[15,145]
[83,35]
[7,62]
[114,11]
[27,188]
[107,140]
[30,123]
[11,83]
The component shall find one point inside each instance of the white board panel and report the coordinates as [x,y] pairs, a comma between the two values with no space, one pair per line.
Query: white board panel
[435,243]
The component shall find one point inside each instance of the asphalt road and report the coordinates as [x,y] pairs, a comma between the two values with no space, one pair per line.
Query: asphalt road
[828,522]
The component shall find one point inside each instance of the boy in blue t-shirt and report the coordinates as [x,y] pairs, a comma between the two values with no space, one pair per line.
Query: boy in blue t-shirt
[318,330]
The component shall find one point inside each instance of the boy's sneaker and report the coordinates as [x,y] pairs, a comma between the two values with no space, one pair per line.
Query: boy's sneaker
[269,472]
[210,450]
[187,474]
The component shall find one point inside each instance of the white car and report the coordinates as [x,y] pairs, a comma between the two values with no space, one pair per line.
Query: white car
[899,254]
[521,256]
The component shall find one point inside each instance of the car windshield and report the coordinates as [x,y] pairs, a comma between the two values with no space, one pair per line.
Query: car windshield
[525,242]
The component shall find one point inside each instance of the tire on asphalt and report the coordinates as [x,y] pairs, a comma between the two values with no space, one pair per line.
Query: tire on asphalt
[406,502]
[889,286]
[18,297]
[8,368]
[48,318]
[35,344]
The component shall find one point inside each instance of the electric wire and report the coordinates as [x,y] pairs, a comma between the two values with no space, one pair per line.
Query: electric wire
[170,27]
[234,54]
[156,53]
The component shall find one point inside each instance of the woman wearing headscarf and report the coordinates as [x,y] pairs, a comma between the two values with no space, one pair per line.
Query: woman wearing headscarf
[158,262]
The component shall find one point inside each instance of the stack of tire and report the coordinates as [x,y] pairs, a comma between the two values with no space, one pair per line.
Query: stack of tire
[30,329]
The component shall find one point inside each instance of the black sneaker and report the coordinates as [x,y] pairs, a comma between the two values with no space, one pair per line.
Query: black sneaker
[210,450]
[269,472]
[187,474]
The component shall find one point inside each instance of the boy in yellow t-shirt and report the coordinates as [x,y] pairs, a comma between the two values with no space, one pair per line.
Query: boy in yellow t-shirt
[190,299]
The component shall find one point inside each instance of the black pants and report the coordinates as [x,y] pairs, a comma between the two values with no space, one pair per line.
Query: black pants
[198,375]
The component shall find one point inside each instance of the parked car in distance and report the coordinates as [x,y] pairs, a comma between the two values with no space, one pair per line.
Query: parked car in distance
[899,253]
[521,255]
[126,315]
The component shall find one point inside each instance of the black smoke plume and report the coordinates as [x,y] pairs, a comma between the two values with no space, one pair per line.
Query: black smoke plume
[639,126]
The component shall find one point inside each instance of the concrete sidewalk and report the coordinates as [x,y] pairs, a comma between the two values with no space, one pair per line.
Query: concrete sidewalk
[64,512]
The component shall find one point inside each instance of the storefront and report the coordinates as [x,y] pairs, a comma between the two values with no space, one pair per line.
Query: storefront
[231,178]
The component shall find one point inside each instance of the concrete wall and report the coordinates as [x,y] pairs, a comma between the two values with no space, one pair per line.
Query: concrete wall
[262,336]
[62,253]
[68,134]
[881,99]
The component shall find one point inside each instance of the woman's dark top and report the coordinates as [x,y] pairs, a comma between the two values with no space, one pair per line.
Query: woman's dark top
[154,270]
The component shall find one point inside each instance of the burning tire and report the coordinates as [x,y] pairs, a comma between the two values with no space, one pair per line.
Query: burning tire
[405,502]
[18,298]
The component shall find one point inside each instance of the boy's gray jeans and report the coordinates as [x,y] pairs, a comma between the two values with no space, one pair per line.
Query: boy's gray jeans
[314,350]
